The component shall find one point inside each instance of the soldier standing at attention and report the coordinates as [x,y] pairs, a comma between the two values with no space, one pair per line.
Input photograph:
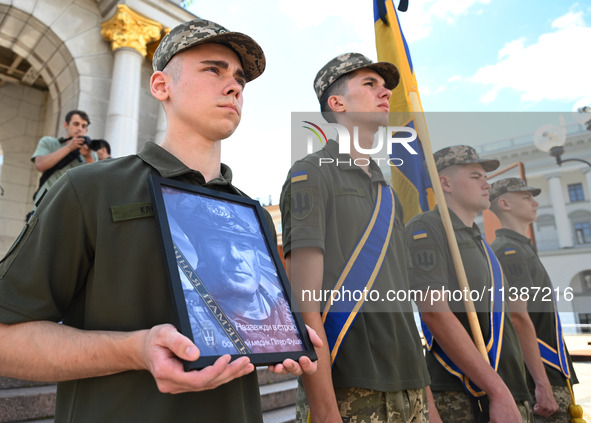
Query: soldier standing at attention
[534,316]
[83,293]
[372,367]
[462,380]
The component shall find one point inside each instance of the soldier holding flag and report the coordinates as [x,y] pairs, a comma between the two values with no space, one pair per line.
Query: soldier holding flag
[464,384]
[343,229]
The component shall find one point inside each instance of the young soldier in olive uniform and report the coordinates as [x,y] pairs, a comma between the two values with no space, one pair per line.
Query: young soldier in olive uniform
[89,257]
[463,179]
[535,320]
[379,374]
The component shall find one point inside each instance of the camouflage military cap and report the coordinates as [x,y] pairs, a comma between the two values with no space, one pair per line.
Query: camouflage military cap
[511,185]
[223,219]
[462,154]
[350,62]
[200,31]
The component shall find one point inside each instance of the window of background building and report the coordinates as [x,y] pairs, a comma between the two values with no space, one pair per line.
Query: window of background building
[586,281]
[583,232]
[575,192]
[545,220]
[585,319]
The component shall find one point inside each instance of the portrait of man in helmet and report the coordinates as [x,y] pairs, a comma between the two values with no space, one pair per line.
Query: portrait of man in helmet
[223,243]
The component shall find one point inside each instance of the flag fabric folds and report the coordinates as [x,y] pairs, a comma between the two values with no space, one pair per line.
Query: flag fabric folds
[410,180]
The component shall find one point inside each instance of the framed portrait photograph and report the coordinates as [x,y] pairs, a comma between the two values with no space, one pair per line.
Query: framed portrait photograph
[227,282]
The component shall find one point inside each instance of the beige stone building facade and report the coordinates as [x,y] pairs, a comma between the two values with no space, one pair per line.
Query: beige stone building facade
[563,228]
[59,55]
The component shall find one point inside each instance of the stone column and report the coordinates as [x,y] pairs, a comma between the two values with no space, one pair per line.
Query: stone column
[129,33]
[587,172]
[160,126]
[563,226]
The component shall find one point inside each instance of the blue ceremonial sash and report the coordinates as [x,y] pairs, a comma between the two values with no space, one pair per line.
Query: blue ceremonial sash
[497,323]
[555,357]
[360,272]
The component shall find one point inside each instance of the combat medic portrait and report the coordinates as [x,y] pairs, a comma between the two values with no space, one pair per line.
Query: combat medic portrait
[223,245]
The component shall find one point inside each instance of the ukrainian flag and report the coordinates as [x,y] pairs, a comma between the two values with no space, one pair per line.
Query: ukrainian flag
[411,180]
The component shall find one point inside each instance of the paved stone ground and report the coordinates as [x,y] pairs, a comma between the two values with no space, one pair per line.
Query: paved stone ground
[583,388]
[580,348]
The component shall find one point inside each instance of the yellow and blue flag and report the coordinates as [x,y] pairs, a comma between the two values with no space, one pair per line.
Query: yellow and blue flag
[410,180]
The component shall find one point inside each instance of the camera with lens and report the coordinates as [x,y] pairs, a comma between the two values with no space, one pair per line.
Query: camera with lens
[87,140]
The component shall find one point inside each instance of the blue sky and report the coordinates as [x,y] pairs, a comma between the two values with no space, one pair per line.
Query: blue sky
[469,56]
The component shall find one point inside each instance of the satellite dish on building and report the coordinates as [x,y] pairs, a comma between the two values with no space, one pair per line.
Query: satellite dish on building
[549,136]
[582,110]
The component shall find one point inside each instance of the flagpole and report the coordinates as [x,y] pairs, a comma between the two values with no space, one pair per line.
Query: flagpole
[423,133]
[412,96]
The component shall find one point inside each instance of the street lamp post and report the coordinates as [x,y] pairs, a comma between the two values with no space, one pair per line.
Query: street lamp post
[551,138]
[558,151]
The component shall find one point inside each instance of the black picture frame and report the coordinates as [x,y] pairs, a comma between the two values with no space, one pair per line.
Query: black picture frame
[228,286]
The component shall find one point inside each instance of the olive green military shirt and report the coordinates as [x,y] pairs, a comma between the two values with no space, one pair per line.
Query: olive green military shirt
[523,269]
[90,256]
[329,209]
[433,269]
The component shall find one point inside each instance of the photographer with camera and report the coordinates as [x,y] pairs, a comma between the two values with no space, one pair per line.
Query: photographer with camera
[54,156]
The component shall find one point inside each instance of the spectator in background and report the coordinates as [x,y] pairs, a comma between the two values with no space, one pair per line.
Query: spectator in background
[102,148]
[54,156]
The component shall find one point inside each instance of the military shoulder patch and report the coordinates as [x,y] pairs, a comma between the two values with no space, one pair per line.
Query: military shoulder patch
[420,235]
[425,259]
[301,203]
[509,251]
[514,269]
[299,176]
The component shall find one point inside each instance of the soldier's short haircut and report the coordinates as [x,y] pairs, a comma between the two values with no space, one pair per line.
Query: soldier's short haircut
[173,69]
[339,87]
[494,206]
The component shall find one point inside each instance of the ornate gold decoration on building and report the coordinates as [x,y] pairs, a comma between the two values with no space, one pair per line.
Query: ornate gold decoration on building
[151,47]
[127,28]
